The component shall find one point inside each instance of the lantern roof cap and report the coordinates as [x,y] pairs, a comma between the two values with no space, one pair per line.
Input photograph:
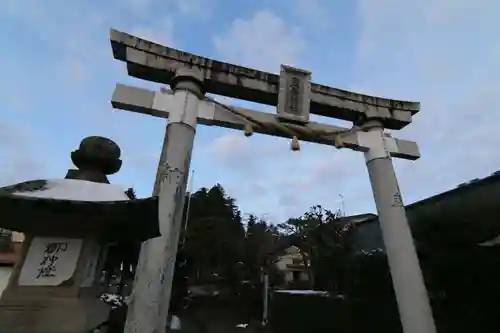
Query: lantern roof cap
[76,208]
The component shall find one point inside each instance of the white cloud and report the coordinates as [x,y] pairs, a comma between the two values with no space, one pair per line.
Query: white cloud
[73,38]
[78,33]
[181,8]
[294,180]
[229,145]
[75,69]
[444,54]
[197,8]
[270,175]
[17,159]
[288,200]
[11,134]
[160,33]
[314,12]
[69,58]
[138,6]
[245,155]
[18,168]
[12,94]
[264,41]
[441,53]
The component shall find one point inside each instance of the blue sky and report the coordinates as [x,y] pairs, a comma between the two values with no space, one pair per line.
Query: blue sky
[58,74]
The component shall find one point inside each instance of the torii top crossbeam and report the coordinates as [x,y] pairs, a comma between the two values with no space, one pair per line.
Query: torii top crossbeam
[158,63]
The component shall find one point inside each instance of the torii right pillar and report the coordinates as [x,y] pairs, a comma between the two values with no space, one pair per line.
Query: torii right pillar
[411,294]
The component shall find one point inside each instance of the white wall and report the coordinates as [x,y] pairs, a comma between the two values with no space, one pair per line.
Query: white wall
[17,237]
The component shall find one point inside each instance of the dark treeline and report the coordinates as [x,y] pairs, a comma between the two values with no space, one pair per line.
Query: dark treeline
[221,242]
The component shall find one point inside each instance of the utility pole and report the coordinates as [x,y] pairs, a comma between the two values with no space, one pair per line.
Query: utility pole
[295,97]
[342,204]
[265,295]
[149,305]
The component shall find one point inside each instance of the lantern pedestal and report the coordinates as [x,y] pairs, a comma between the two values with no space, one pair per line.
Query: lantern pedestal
[53,288]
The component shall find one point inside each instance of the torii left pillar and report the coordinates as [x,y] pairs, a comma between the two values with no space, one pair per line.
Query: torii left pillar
[149,303]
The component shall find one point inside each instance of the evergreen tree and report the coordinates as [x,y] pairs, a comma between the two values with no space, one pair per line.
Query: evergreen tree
[215,234]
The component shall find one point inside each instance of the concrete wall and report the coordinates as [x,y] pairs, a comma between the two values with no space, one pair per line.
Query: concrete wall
[9,258]
[5,272]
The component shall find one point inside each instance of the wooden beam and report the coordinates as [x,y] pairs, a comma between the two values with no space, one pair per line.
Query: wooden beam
[156,104]
[154,62]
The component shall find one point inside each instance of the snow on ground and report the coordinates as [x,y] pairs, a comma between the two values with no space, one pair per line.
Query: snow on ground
[493,242]
[303,292]
[78,190]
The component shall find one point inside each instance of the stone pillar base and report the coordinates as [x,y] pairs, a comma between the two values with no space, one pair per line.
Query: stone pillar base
[56,315]
[70,306]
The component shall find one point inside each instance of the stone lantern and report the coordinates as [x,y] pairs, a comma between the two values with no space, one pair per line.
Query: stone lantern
[68,224]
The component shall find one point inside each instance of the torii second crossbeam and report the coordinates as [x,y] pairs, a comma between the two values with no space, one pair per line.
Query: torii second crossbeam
[209,113]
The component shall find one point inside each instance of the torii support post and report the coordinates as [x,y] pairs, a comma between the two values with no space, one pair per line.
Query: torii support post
[152,288]
[370,116]
[411,294]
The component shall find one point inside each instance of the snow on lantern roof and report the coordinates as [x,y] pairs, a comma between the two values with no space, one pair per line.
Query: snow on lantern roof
[303,292]
[83,204]
[70,189]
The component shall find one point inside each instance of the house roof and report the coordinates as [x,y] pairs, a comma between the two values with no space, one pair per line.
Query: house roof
[356,219]
[475,200]
[463,191]
[478,196]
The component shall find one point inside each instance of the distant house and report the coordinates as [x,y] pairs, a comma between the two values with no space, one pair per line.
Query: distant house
[291,263]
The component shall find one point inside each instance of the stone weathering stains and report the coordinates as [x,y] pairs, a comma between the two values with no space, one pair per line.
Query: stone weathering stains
[158,63]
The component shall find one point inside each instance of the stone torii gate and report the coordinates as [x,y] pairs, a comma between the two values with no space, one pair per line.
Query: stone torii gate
[190,77]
